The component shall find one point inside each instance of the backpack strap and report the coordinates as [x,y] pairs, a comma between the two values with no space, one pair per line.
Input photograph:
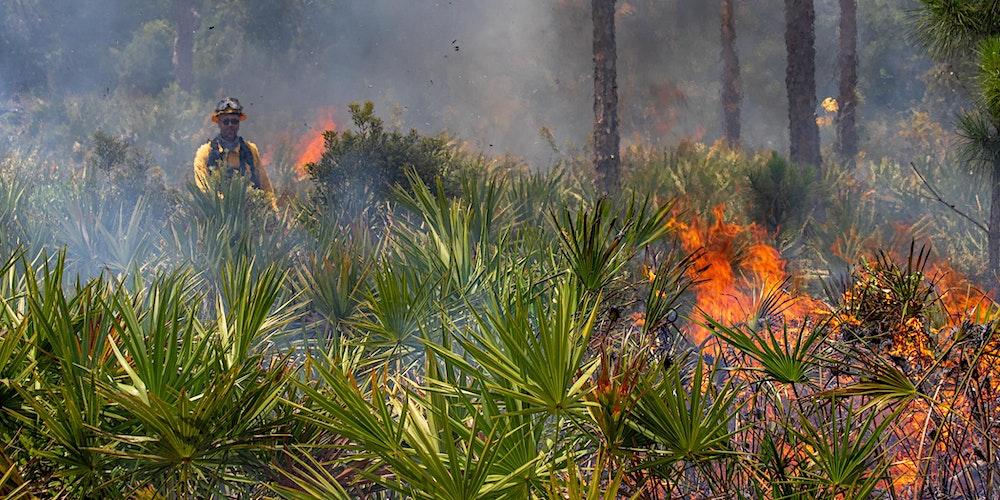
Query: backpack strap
[247,166]
[214,154]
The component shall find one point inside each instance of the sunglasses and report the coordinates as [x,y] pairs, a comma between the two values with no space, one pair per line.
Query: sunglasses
[230,121]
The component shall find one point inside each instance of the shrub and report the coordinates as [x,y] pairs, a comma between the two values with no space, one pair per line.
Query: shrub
[128,171]
[778,193]
[373,159]
[144,64]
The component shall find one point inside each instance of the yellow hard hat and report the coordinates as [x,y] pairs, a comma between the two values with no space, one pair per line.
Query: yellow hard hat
[228,106]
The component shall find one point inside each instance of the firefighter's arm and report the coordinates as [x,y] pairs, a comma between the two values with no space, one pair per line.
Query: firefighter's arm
[201,167]
[265,181]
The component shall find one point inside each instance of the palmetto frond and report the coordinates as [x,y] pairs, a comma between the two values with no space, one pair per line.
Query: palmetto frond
[949,27]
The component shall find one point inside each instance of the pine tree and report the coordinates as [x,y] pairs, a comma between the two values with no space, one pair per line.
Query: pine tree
[847,132]
[606,140]
[957,29]
[731,95]
[800,81]
[185,24]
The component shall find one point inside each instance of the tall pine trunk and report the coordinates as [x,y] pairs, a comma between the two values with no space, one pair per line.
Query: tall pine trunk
[606,141]
[847,132]
[993,237]
[800,81]
[731,95]
[185,23]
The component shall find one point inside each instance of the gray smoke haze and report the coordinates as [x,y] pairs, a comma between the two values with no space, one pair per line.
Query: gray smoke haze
[491,72]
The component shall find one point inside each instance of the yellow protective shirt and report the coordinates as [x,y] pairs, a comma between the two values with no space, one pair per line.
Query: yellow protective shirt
[232,160]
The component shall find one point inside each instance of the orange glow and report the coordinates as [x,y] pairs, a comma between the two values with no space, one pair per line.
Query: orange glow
[310,148]
[961,299]
[904,474]
[735,261]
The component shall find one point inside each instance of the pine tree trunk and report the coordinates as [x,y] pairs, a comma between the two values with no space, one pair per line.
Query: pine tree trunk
[993,238]
[847,132]
[730,77]
[185,23]
[606,141]
[800,81]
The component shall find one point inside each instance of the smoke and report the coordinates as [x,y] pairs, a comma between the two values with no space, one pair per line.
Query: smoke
[490,72]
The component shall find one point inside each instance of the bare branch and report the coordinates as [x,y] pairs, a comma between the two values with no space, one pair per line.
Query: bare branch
[937,196]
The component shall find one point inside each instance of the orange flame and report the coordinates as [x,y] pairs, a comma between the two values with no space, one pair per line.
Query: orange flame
[310,148]
[728,275]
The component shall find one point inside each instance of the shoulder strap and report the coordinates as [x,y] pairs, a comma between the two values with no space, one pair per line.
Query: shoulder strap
[214,154]
[246,159]
[247,163]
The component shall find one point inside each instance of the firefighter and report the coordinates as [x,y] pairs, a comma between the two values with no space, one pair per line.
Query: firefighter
[229,152]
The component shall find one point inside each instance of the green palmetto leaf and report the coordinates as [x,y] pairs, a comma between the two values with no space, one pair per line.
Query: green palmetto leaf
[194,444]
[788,357]
[249,311]
[593,245]
[160,343]
[442,239]
[692,425]
[647,223]
[222,225]
[532,195]
[396,308]
[846,452]
[335,277]
[532,348]
[422,447]
[671,280]
[575,487]
[519,462]
[128,239]
[311,480]
[597,245]
[71,333]
[881,382]
[18,350]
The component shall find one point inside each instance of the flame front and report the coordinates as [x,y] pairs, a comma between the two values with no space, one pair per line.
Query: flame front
[733,262]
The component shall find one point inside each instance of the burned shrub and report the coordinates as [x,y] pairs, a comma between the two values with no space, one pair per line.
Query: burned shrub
[890,306]
[371,160]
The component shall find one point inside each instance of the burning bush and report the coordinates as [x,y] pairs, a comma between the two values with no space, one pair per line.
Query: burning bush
[889,306]
[371,160]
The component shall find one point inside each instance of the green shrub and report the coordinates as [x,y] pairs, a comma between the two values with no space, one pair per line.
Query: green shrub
[373,159]
[778,193]
[144,65]
[702,177]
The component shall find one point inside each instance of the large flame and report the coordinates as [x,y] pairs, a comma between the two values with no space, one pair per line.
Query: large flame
[310,148]
[736,269]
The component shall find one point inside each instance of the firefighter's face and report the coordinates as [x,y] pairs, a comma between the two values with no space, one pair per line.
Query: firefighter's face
[229,126]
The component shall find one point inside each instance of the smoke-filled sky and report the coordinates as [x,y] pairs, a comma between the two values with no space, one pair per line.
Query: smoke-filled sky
[492,72]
